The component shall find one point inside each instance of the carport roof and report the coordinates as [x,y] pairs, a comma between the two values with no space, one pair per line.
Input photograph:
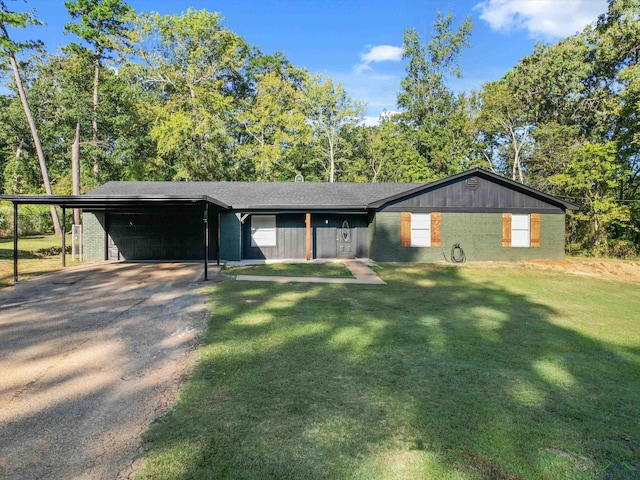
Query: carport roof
[113,201]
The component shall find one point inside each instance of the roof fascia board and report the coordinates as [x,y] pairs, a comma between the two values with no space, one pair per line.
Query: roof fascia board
[357,209]
[262,211]
[85,201]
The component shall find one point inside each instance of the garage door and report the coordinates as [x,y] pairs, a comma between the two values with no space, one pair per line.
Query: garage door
[168,235]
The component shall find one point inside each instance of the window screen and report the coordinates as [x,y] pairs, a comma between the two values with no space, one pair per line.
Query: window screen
[263,230]
[420,229]
[520,231]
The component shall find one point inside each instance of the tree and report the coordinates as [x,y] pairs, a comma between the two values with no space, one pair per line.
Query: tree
[103,24]
[332,113]
[592,178]
[392,154]
[435,114]
[507,125]
[274,120]
[571,108]
[10,48]
[194,68]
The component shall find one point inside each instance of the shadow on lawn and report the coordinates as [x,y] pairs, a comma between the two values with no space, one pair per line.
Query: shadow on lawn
[432,376]
[7,254]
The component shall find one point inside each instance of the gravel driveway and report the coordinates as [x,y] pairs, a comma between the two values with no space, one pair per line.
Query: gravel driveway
[89,357]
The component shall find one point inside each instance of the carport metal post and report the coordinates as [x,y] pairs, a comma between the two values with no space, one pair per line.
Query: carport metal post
[206,239]
[15,242]
[64,234]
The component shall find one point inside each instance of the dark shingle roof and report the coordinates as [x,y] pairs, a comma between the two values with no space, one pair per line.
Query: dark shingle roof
[262,195]
[303,195]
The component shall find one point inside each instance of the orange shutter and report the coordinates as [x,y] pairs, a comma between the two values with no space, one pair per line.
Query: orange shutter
[405,229]
[506,229]
[535,230]
[435,229]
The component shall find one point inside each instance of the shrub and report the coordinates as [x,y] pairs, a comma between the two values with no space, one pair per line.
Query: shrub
[574,249]
[52,251]
[600,250]
[34,220]
[6,220]
[623,249]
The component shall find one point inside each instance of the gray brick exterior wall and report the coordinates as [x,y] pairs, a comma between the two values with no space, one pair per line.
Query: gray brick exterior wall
[479,234]
[93,233]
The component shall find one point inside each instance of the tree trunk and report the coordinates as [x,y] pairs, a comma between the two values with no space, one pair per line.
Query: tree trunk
[36,137]
[332,170]
[94,116]
[75,172]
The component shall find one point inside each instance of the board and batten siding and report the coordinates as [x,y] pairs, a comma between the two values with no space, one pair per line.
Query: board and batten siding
[290,238]
[474,194]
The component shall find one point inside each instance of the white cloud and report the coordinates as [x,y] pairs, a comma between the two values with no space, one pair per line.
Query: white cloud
[377,91]
[378,53]
[371,121]
[552,18]
[382,53]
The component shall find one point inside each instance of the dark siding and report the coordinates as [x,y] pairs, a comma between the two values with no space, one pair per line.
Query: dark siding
[324,241]
[489,197]
[326,230]
[159,234]
[290,239]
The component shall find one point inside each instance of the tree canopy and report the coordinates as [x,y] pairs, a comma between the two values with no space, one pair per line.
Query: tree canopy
[182,97]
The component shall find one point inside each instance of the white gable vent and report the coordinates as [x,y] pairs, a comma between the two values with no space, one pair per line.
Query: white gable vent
[299,178]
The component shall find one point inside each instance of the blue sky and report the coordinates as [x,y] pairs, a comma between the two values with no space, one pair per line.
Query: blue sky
[357,42]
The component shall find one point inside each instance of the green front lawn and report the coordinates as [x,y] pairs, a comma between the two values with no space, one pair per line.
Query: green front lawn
[325,270]
[443,373]
[33,257]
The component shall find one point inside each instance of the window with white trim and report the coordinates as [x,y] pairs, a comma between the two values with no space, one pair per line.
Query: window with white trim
[420,229]
[520,230]
[263,230]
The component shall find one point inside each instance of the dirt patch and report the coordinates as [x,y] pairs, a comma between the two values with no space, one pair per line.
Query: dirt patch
[609,269]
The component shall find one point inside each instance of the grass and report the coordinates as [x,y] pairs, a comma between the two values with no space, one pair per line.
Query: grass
[30,262]
[444,373]
[326,270]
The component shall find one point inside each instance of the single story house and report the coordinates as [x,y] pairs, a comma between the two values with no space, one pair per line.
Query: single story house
[490,217]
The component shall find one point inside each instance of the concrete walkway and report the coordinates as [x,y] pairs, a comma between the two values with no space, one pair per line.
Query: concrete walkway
[358,268]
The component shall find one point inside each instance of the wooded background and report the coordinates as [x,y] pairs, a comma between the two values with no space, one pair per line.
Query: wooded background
[181,97]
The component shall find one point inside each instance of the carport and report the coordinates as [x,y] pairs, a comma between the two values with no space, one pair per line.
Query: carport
[115,203]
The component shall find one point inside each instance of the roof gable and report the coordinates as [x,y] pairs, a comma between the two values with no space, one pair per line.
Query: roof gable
[463,199]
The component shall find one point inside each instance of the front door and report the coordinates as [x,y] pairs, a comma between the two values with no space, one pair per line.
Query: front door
[346,241]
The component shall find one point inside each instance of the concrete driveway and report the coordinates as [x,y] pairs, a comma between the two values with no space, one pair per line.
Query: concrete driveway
[89,357]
